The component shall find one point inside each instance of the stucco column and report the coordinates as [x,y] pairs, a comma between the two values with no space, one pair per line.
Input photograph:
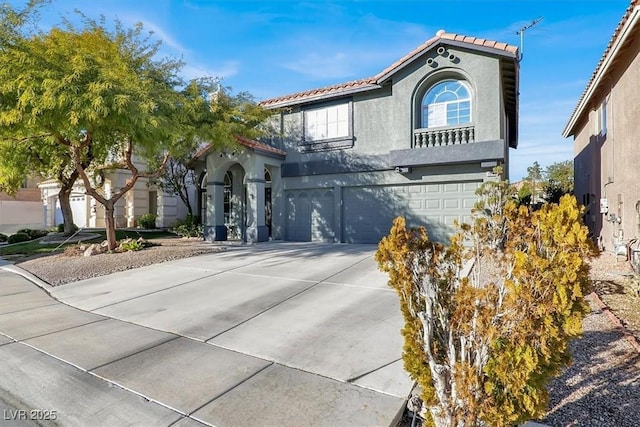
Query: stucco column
[257,231]
[277,205]
[50,209]
[337,213]
[236,214]
[214,229]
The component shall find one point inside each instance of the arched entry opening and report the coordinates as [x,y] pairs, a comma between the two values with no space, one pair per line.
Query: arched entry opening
[268,216]
[202,198]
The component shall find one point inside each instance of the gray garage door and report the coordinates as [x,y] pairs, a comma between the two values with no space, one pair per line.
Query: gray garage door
[368,212]
[310,216]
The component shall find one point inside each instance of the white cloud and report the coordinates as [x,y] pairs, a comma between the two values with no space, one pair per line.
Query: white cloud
[223,70]
[357,50]
[169,42]
[324,65]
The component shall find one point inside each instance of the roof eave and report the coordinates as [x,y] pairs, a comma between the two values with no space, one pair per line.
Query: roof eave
[321,96]
[270,153]
[587,95]
[387,74]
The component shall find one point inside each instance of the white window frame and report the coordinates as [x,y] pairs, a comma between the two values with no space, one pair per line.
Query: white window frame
[601,122]
[327,122]
[441,109]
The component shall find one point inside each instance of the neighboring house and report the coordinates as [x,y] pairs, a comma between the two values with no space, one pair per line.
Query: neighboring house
[143,198]
[605,126]
[24,210]
[415,140]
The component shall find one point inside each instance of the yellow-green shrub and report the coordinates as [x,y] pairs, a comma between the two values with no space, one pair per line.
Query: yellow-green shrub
[484,347]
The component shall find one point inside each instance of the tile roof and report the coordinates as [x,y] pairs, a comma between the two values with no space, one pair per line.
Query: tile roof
[313,93]
[600,68]
[259,146]
[378,79]
[249,143]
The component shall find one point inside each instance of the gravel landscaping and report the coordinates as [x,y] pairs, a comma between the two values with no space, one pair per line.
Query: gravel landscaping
[71,266]
[602,387]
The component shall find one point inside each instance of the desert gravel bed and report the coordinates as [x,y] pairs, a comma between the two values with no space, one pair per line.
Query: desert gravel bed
[62,268]
[602,387]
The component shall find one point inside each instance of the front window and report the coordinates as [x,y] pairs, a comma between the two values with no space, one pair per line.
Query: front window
[327,122]
[448,103]
[602,119]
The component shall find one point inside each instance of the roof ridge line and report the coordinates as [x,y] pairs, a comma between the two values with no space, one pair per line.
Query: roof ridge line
[382,75]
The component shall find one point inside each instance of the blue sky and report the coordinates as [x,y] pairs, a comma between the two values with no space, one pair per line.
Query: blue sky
[272,48]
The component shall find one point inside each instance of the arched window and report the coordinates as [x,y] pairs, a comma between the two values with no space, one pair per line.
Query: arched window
[448,103]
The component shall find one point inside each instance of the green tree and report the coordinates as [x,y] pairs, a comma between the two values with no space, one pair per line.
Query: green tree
[104,95]
[178,177]
[25,153]
[524,193]
[558,180]
[534,178]
[36,156]
[484,346]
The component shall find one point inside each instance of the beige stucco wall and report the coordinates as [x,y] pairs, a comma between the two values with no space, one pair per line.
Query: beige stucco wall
[23,210]
[608,166]
[128,209]
[15,215]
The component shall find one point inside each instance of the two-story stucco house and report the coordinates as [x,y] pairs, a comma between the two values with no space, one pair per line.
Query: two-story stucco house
[415,140]
[605,126]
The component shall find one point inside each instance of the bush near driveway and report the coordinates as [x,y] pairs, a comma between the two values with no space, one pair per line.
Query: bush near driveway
[484,347]
[188,227]
[18,237]
[148,221]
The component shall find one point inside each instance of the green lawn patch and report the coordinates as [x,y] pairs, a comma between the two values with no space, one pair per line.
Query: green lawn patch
[33,247]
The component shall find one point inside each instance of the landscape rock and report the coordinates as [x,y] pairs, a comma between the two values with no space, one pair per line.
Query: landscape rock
[94,249]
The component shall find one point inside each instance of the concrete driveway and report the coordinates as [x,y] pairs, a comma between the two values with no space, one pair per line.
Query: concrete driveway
[273,334]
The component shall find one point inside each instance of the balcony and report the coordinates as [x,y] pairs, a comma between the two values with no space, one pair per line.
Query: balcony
[438,137]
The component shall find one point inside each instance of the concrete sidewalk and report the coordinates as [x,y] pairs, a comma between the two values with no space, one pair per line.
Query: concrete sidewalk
[273,334]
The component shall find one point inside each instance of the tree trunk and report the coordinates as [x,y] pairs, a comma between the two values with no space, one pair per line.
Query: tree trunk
[64,196]
[187,203]
[110,225]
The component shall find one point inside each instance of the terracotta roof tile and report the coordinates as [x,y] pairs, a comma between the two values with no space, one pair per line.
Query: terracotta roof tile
[608,51]
[259,145]
[320,91]
[255,145]
[375,81]
[616,33]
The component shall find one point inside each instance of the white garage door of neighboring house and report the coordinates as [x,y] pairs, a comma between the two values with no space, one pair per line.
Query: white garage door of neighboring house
[310,216]
[368,212]
[79,209]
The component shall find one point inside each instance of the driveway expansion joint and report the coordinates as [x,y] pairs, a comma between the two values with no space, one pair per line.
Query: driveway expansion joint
[219,395]
[357,377]
[142,350]
[23,340]
[285,300]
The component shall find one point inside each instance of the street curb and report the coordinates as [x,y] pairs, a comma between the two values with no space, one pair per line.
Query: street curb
[614,319]
[24,273]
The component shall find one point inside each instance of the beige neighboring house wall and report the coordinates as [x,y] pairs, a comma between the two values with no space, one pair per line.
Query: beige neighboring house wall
[24,210]
[143,198]
[605,126]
